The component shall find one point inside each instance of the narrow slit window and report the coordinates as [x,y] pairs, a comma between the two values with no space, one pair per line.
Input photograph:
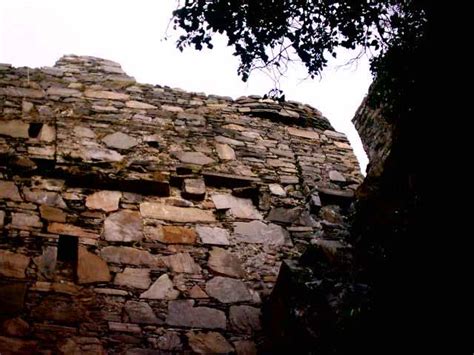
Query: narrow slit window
[67,249]
[34,129]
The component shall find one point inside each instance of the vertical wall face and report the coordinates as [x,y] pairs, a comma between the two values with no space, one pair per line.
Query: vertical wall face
[138,217]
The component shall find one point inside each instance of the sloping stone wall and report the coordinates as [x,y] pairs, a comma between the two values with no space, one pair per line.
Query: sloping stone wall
[141,218]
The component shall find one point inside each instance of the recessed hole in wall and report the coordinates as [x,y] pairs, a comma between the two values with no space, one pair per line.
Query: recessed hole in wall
[67,249]
[34,129]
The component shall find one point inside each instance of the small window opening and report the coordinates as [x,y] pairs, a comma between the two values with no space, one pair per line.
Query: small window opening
[34,129]
[67,257]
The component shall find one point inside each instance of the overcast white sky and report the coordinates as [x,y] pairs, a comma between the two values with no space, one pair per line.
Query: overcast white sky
[36,33]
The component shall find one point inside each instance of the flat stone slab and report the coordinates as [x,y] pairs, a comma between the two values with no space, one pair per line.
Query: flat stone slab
[91,268]
[25,220]
[239,207]
[196,158]
[182,314]
[129,255]
[194,189]
[108,95]
[227,290]
[259,232]
[224,263]
[15,129]
[69,229]
[139,105]
[119,140]
[141,313]
[136,278]
[162,289]
[213,235]
[52,214]
[336,176]
[182,262]
[123,226]
[177,235]
[175,214]
[107,201]
[303,133]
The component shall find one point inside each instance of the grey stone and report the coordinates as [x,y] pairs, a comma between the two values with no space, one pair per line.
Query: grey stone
[98,153]
[224,263]
[9,191]
[141,313]
[213,235]
[25,220]
[46,262]
[171,108]
[63,92]
[119,140]
[175,214]
[182,262]
[194,189]
[139,105]
[128,255]
[336,176]
[196,158]
[22,92]
[136,278]
[49,198]
[208,343]
[245,319]
[259,232]
[123,226]
[162,289]
[225,152]
[84,132]
[239,207]
[182,314]
[226,140]
[107,201]
[227,290]
[277,190]
[284,215]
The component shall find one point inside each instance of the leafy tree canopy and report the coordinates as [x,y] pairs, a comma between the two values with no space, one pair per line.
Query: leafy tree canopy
[271,33]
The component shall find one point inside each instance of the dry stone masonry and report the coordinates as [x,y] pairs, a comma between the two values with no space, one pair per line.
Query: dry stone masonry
[142,219]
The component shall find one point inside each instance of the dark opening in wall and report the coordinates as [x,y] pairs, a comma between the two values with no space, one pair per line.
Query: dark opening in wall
[34,129]
[67,257]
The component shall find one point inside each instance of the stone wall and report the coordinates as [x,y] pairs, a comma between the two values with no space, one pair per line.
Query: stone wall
[140,218]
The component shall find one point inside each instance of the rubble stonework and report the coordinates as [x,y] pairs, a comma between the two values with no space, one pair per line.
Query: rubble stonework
[137,217]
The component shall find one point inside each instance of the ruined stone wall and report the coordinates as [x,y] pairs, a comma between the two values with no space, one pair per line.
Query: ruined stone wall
[376,135]
[140,218]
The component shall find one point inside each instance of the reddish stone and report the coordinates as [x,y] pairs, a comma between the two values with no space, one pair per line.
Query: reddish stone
[91,268]
[178,235]
[13,264]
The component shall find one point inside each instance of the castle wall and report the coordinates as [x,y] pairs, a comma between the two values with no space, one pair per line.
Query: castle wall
[140,218]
